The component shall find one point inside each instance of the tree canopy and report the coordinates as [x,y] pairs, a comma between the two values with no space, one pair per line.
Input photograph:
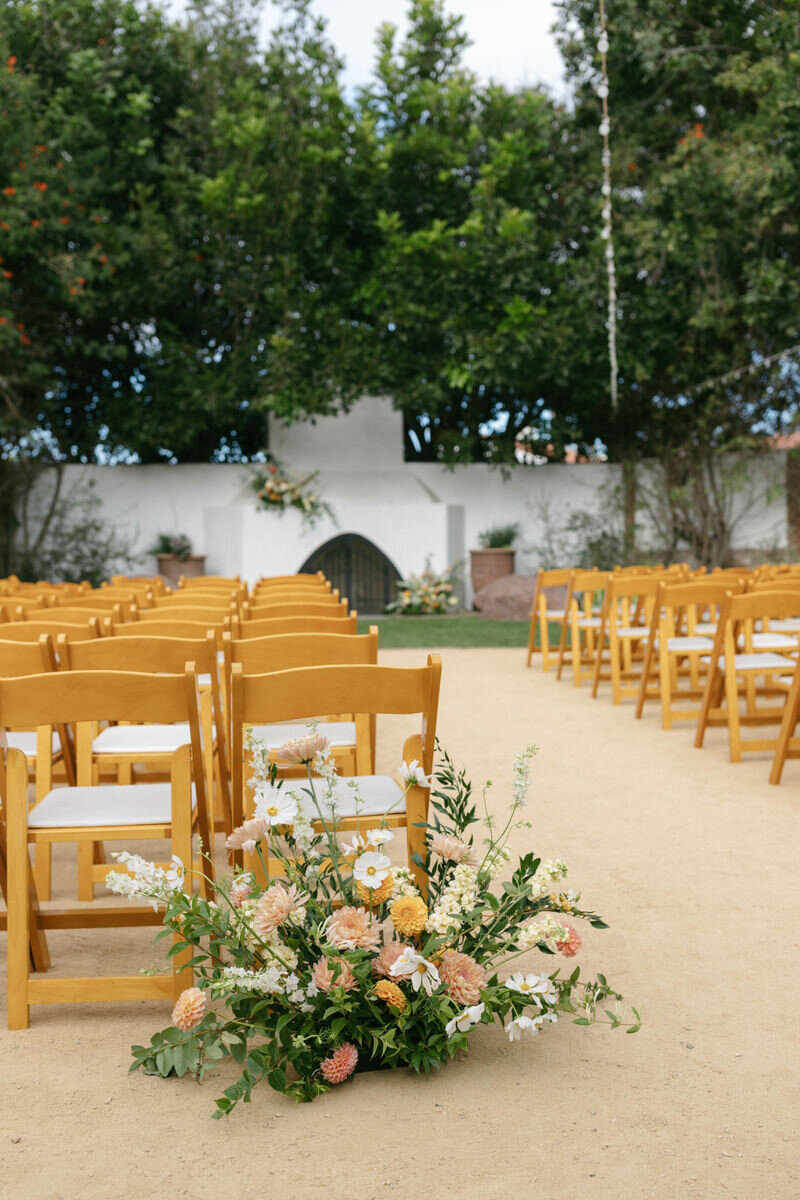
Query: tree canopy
[196,232]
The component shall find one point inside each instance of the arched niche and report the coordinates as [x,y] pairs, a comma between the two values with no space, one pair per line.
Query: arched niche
[360,571]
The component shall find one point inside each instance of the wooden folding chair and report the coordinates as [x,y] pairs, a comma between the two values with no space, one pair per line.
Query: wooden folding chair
[284,652]
[276,625]
[268,581]
[296,606]
[31,631]
[116,812]
[544,615]
[202,582]
[367,691]
[187,598]
[728,663]
[683,616]
[625,625]
[585,597]
[149,744]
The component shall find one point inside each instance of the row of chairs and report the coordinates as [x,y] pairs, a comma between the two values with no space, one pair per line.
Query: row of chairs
[156,729]
[719,648]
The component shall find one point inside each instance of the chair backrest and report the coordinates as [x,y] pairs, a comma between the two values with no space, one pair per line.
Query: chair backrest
[31,631]
[99,601]
[278,625]
[194,613]
[156,655]
[27,658]
[781,583]
[305,692]
[82,698]
[221,602]
[284,652]
[229,582]
[558,577]
[165,627]
[699,600]
[270,580]
[79,613]
[295,608]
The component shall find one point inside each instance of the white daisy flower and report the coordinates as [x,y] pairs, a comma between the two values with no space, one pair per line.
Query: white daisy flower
[465,1020]
[413,774]
[417,970]
[536,987]
[274,806]
[371,869]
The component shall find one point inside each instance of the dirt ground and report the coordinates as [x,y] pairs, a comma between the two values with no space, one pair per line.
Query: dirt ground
[693,862]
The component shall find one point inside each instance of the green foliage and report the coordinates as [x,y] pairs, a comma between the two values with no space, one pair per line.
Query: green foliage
[176,544]
[500,537]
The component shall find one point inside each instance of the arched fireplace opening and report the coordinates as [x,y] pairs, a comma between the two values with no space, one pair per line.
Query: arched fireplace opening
[358,569]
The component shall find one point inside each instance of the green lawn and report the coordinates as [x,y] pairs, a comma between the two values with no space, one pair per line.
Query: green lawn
[467,629]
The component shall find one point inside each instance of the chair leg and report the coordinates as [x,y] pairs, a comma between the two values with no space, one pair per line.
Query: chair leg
[531,638]
[18,895]
[86,860]
[416,815]
[544,641]
[732,702]
[665,685]
[712,687]
[43,870]
[788,725]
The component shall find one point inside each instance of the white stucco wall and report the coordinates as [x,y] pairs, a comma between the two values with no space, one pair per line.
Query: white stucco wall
[412,511]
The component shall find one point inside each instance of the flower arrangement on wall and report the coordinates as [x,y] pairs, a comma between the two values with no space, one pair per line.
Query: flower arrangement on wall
[346,961]
[277,490]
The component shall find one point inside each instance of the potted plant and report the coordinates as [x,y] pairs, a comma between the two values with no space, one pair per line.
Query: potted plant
[174,554]
[496,555]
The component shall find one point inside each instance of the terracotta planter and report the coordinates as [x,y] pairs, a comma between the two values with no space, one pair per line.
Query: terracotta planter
[490,564]
[172,568]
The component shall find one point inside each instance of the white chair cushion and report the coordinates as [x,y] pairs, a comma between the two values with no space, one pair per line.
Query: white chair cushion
[107,804]
[588,623]
[774,641]
[379,793]
[338,733]
[555,614]
[633,631]
[25,740]
[703,627]
[689,643]
[141,739]
[756,662]
[787,625]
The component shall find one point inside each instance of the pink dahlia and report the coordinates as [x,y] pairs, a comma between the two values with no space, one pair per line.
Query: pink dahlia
[389,954]
[245,836]
[462,977]
[351,929]
[572,945]
[276,904]
[301,750]
[451,848]
[189,1009]
[322,975]
[341,1064]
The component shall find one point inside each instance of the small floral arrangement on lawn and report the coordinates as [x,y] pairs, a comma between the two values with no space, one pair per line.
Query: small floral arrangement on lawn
[277,490]
[345,962]
[428,593]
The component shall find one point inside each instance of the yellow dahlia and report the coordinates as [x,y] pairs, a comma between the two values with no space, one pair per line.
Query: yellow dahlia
[409,914]
[375,896]
[391,994]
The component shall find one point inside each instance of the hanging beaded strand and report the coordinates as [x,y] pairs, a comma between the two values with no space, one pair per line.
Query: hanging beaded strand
[606,233]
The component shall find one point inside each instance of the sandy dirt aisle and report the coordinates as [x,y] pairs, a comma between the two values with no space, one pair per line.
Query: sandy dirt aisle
[694,864]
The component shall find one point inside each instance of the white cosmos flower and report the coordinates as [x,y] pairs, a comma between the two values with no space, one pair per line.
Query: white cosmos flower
[413,774]
[371,869]
[419,972]
[274,806]
[465,1020]
[536,987]
[379,837]
[527,1025]
[356,846]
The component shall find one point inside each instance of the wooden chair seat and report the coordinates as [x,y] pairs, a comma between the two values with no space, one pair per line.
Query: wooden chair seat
[105,806]
[772,640]
[763,661]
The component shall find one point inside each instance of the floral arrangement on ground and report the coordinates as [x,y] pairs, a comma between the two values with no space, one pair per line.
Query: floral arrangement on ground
[428,593]
[278,490]
[348,962]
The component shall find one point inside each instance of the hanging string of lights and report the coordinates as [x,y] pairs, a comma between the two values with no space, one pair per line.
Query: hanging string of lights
[606,232]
